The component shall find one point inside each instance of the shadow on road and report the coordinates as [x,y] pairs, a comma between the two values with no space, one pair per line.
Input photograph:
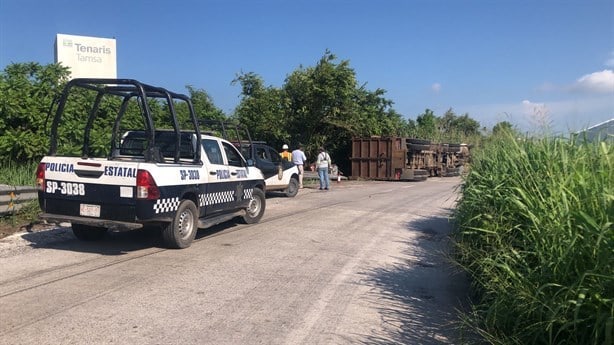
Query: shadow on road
[114,243]
[423,291]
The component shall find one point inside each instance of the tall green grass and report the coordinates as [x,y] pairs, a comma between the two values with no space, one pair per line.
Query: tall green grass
[18,173]
[535,232]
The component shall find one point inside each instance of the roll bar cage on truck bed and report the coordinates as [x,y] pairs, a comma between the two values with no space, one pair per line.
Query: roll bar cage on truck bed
[126,89]
[159,174]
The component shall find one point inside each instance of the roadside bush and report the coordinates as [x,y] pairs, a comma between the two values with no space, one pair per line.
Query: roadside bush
[27,91]
[535,233]
[18,174]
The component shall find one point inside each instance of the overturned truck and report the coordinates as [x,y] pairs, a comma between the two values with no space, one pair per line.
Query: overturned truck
[397,158]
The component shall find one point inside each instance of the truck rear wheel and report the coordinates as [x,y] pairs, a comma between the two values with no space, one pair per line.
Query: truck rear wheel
[181,231]
[87,232]
[256,207]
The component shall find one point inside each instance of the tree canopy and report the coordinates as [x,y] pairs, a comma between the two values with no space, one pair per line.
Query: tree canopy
[320,105]
[27,90]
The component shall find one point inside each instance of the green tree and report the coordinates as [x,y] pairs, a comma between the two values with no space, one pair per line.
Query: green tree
[427,124]
[409,128]
[466,126]
[375,115]
[447,128]
[447,121]
[26,92]
[261,110]
[322,105]
[204,107]
[503,127]
[458,128]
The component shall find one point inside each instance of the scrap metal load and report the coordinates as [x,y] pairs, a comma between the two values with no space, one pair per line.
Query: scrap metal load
[396,158]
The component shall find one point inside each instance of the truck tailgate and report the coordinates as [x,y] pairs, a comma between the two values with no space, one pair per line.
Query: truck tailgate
[96,188]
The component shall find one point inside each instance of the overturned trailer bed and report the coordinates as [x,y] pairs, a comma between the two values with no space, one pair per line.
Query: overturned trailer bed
[409,159]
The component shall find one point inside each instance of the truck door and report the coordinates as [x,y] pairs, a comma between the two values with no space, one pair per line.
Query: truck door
[238,174]
[274,167]
[268,161]
[224,191]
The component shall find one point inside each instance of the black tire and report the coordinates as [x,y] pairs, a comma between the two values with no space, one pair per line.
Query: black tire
[87,232]
[181,231]
[255,209]
[292,189]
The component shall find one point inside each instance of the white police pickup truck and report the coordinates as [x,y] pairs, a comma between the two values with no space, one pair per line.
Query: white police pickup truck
[110,174]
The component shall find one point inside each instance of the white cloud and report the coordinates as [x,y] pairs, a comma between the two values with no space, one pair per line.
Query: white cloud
[436,87]
[594,83]
[597,82]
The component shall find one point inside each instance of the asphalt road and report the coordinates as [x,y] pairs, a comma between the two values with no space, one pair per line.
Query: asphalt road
[363,263]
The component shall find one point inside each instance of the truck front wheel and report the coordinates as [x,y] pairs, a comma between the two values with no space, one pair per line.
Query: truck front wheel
[255,210]
[181,231]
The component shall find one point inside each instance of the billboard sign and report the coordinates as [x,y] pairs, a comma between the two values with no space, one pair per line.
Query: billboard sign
[87,57]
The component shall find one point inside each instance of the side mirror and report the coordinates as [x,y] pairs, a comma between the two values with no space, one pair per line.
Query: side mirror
[250,162]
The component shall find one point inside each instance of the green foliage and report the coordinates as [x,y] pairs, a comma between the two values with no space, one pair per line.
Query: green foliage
[261,110]
[536,234]
[504,127]
[317,106]
[204,108]
[448,128]
[27,214]
[18,173]
[323,105]
[26,93]
[465,125]
[71,128]
[427,125]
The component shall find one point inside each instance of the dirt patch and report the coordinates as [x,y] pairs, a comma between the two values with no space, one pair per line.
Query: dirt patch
[7,227]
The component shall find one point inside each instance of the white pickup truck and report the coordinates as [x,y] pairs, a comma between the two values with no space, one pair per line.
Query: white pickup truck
[165,174]
[279,175]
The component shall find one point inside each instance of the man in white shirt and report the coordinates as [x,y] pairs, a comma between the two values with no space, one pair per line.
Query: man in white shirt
[299,158]
[323,163]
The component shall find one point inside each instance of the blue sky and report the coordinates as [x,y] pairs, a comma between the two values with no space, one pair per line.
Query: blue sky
[526,62]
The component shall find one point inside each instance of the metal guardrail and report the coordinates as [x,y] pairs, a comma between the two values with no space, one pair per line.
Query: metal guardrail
[12,198]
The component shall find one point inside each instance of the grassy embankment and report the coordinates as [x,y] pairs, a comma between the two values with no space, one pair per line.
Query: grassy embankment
[536,235]
[19,174]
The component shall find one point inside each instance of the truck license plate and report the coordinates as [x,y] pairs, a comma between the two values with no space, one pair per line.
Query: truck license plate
[89,210]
